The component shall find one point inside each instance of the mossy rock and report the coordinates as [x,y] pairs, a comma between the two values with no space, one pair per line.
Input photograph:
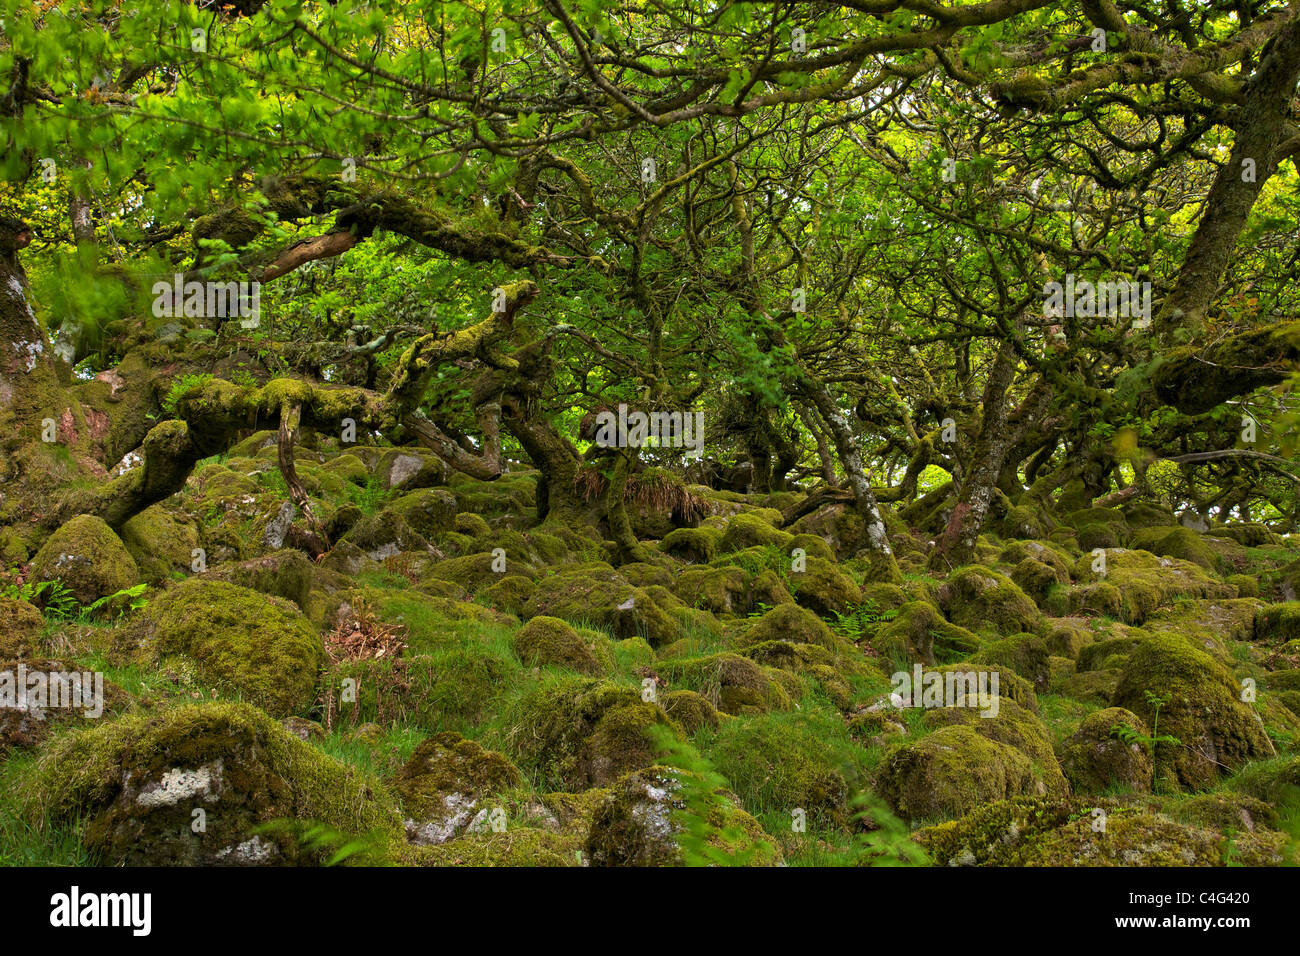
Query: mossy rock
[550,642]
[288,574]
[1278,623]
[260,647]
[428,511]
[136,780]
[1010,684]
[20,628]
[1098,527]
[823,588]
[1247,585]
[730,590]
[509,593]
[586,733]
[639,824]
[348,467]
[1228,813]
[814,546]
[1146,581]
[1038,579]
[951,772]
[1026,654]
[747,530]
[1217,732]
[1095,687]
[1013,726]
[1179,542]
[642,575]
[440,786]
[1096,760]
[385,534]
[604,600]
[920,634]
[783,761]
[1067,637]
[408,469]
[515,847]
[455,686]
[731,683]
[87,557]
[691,710]
[980,598]
[160,543]
[693,545]
[789,622]
[885,596]
[472,525]
[475,572]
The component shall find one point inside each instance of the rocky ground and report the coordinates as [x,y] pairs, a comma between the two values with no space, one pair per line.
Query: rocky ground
[452,684]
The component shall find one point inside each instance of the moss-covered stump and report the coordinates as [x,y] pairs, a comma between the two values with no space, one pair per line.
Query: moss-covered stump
[87,557]
[980,599]
[442,786]
[550,642]
[639,824]
[1099,757]
[585,733]
[1216,731]
[262,648]
[139,783]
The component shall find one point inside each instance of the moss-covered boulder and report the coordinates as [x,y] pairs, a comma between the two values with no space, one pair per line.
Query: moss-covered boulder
[1101,756]
[1278,623]
[87,557]
[693,545]
[1176,542]
[951,772]
[138,781]
[288,574]
[443,783]
[1026,654]
[731,683]
[640,821]
[1098,527]
[262,648]
[1012,725]
[385,534]
[920,634]
[981,599]
[689,709]
[1217,732]
[747,530]
[789,622]
[730,590]
[585,733]
[409,469]
[550,642]
[602,599]
[160,543]
[1144,582]
[823,588]
[20,627]
[428,511]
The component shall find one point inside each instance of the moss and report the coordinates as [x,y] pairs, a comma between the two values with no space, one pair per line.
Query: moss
[919,634]
[1098,527]
[385,534]
[994,834]
[1179,542]
[840,674]
[515,847]
[1276,782]
[731,683]
[136,779]
[982,599]
[638,824]
[452,687]
[605,600]
[474,572]
[87,557]
[730,590]
[428,511]
[746,530]
[1095,760]
[780,761]
[1217,732]
[1247,586]
[447,763]
[20,627]
[1091,686]
[789,622]
[287,574]
[1145,582]
[260,647]
[691,710]
[159,543]
[350,468]
[1227,813]
[1067,639]
[585,733]
[1037,579]
[550,642]
[510,593]
[1026,654]
[472,525]
[1278,623]
[823,588]
[886,597]
[814,546]
[951,772]
[642,575]
[1015,727]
